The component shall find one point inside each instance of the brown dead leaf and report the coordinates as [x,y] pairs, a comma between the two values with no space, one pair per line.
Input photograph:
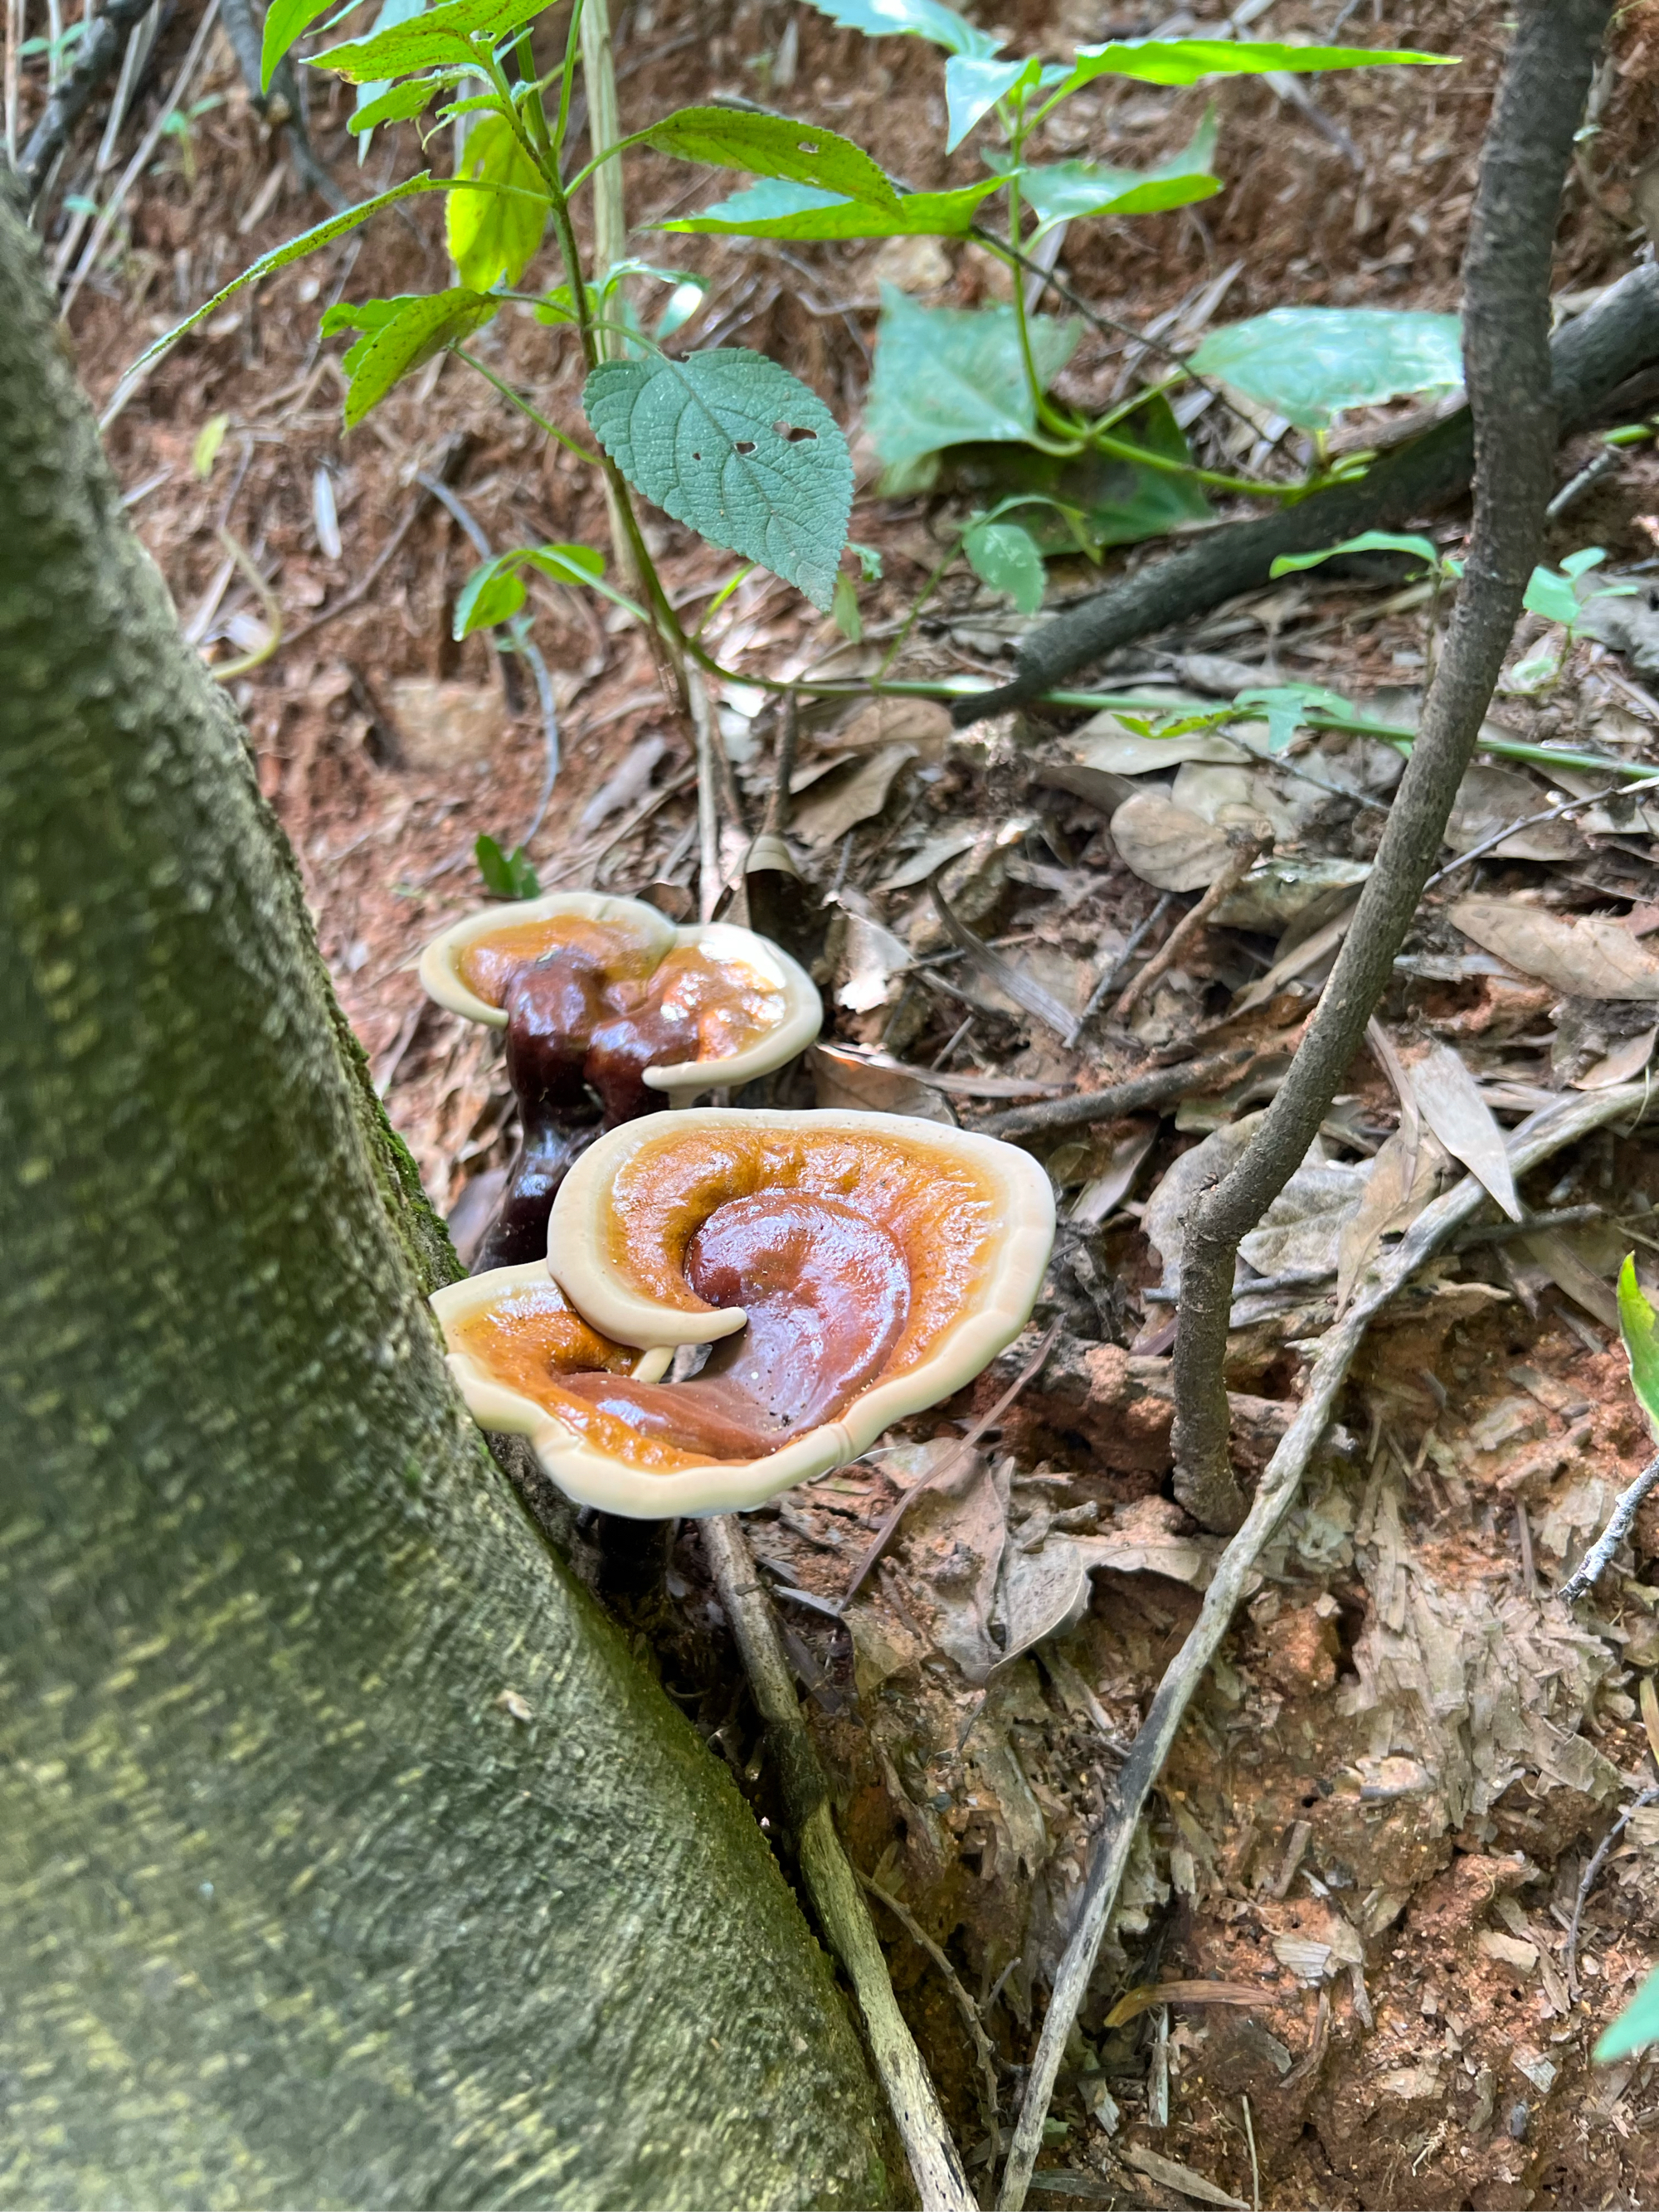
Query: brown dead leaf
[1167,847]
[859,791]
[1555,1256]
[1593,957]
[1105,744]
[1170,2174]
[1490,797]
[1449,1101]
[921,724]
[1146,1994]
[843,1082]
[1621,1064]
[1402,1181]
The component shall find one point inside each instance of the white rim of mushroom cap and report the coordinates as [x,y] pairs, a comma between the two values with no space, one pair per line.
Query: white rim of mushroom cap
[795,1029]
[581,1265]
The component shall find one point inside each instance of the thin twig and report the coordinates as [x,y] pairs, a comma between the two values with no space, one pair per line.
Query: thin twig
[883,1536]
[100,50]
[828,1874]
[984,2050]
[1544,1134]
[1569,1952]
[776,822]
[1111,973]
[1153,1086]
[709,816]
[1599,1558]
[1530,821]
[1243,859]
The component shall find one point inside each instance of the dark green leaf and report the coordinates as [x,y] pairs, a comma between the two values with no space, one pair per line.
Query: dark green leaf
[494,592]
[322,233]
[948,376]
[772,146]
[1089,500]
[733,445]
[285,22]
[440,35]
[508,875]
[419,331]
[493,236]
[397,105]
[1006,557]
[777,208]
[1308,363]
[923,19]
[1369,541]
[1185,61]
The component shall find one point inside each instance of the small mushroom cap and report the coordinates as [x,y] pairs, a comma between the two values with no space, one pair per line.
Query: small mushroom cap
[642,930]
[973,1217]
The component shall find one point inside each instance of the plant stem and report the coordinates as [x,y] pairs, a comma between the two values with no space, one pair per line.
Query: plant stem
[524,407]
[1506,347]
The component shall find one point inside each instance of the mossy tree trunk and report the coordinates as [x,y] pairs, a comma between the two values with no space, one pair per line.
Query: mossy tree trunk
[296,1904]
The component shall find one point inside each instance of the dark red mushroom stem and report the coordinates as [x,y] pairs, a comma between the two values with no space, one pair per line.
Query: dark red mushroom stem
[827,1292]
[576,1059]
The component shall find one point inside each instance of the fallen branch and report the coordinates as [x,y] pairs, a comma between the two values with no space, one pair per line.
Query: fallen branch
[984,2050]
[1506,354]
[828,1874]
[1155,1086]
[1589,357]
[1569,1954]
[1599,1558]
[1537,1139]
[100,49]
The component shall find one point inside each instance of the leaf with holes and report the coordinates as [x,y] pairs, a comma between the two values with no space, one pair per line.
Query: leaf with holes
[493,236]
[780,209]
[733,445]
[953,376]
[421,328]
[1004,556]
[771,146]
[1308,363]
[442,34]
[922,18]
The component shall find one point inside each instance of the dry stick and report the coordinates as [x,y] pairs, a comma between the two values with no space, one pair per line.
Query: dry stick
[1537,1139]
[1507,371]
[1599,1558]
[984,2050]
[1242,860]
[100,51]
[1530,821]
[828,1875]
[709,818]
[1153,1086]
[1591,357]
[1569,1954]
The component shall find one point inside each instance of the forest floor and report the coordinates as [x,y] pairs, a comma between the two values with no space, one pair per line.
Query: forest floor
[1373,1830]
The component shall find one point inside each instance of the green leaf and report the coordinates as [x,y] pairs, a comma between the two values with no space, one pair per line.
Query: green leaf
[373,95]
[209,439]
[494,591]
[1638,1324]
[1551,596]
[1063,191]
[285,22]
[1287,707]
[1185,61]
[1587,558]
[1308,363]
[684,301]
[974,85]
[395,104]
[1369,541]
[777,208]
[844,609]
[441,35]
[951,376]
[923,19]
[869,561]
[772,146]
[417,330]
[1004,556]
[1086,500]
[493,236]
[733,445]
[508,875]
[322,233]
[1637,2026]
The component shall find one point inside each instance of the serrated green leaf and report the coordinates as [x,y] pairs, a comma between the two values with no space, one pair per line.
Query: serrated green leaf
[413,334]
[396,104]
[772,146]
[1369,541]
[731,444]
[494,591]
[493,236]
[777,208]
[373,94]
[1185,61]
[440,35]
[1064,192]
[285,22]
[1308,363]
[368,316]
[1638,1324]
[295,249]
[922,18]
[1636,2027]
[973,86]
[952,376]
[1004,556]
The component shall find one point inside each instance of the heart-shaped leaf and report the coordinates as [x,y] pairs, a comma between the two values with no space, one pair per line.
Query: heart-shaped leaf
[1311,362]
[952,376]
[733,445]
[772,146]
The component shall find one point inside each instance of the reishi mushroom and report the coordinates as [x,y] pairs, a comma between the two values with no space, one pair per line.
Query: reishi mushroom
[605,996]
[848,1269]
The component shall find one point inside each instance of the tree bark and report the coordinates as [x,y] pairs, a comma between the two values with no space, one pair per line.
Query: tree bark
[1506,355]
[346,1858]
